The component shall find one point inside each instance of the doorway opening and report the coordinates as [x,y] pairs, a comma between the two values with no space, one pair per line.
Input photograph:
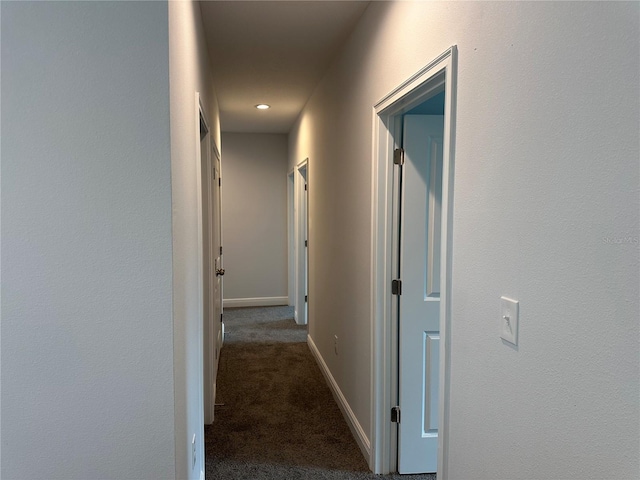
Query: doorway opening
[299,240]
[208,169]
[411,270]
[291,239]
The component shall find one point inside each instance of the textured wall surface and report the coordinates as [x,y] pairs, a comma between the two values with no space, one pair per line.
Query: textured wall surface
[546,212]
[254,215]
[87,365]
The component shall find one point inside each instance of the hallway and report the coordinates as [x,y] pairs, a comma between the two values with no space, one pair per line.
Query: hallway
[276,417]
[107,110]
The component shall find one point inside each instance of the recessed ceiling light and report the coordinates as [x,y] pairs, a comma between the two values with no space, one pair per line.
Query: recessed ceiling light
[263,106]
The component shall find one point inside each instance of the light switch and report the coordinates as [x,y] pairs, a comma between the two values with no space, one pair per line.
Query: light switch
[509,320]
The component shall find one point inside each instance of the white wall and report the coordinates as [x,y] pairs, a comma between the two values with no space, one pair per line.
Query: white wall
[87,332]
[546,185]
[254,217]
[190,72]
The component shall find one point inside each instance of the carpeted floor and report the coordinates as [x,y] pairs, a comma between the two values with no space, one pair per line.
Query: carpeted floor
[278,419]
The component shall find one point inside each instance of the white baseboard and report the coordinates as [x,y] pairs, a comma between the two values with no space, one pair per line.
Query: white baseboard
[255,302]
[355,427]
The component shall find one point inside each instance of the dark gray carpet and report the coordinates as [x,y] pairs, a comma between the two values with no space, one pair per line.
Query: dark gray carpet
[278,419]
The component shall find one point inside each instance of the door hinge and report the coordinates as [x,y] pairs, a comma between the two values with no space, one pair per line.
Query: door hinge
[221,321]
[306,298]
[305,187]
[219,181]
[395,415]
[396,287]
[398,156]
[306,243]
[220,250]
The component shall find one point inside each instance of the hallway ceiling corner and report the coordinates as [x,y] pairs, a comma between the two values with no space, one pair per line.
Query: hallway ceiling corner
[272,52]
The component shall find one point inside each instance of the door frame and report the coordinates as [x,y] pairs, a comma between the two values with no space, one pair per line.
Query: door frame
[384,334]
[301,225]
[207,367]
[217,333]
[291,238]
[200,116]
[207,362]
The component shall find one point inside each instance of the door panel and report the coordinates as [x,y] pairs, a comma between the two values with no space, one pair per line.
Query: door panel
[434,202]
[300,241]
[212,263]
[306,247]
[217,249]
[208,275]
[419,303]
[431,380]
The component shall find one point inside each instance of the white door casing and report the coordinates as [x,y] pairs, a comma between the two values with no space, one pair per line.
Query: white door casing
[291,238]
[301,242]
[419,303]
[210,260]
[205,198]
[441,72]
[305,232]
[201,139]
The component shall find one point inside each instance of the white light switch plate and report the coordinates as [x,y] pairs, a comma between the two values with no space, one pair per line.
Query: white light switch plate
[509,320]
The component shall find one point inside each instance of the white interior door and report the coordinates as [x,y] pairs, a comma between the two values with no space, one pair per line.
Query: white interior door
[291,238]
[301,244]
[305,228]
[219,263]
[208,275]
[212,271]
[419,302]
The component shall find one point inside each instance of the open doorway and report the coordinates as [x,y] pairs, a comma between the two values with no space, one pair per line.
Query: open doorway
[299,240]
[411,279]
[291,238]
[210,253]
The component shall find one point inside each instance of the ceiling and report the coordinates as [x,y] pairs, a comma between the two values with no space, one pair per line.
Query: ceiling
[272,52]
